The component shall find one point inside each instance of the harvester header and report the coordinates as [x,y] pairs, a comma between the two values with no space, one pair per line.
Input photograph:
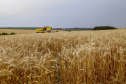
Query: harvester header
[44,30]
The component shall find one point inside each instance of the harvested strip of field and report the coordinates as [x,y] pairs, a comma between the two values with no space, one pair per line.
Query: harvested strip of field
[64,57]
[17,31]
[23,31]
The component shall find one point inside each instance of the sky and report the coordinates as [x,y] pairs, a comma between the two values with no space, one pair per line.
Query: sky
[63,13]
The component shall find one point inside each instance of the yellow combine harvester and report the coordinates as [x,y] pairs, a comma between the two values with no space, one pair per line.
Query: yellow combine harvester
[44,30]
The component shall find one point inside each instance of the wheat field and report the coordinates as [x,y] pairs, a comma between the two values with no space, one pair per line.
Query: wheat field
[78,57]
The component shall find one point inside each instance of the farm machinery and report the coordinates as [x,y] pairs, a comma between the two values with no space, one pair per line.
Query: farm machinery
[44,30]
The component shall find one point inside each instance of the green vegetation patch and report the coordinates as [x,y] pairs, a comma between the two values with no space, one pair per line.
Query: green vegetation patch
[12,33]
[7,33]
[103,27]
[4,33]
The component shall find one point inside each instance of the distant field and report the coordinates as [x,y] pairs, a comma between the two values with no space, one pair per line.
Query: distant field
[17,31]
[77,57]
[24,31]
[26,28]
[34,28]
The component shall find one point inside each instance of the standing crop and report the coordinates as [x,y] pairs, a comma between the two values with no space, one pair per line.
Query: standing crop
[90,57]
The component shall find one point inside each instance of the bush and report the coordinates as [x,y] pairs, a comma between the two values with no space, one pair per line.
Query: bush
[7,33]
[103,27]
[12,33]
[4,33]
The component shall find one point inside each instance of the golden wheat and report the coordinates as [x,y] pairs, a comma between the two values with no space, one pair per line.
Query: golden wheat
[89,57]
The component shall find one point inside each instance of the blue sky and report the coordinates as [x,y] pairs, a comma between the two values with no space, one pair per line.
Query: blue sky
[63,13]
